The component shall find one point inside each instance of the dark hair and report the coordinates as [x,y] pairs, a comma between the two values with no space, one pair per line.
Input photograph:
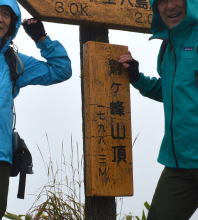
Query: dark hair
[12,27]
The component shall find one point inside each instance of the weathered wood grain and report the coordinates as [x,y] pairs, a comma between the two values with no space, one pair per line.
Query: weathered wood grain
[107,119]
[131,15]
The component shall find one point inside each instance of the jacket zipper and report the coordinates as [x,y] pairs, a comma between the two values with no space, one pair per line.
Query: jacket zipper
[172,105]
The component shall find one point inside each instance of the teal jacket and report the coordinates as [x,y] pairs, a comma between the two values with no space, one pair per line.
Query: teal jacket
[177,88]
[57,68]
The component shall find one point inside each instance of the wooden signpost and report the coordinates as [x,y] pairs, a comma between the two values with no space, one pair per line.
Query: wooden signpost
[108,147]
[131,15]
[105,93]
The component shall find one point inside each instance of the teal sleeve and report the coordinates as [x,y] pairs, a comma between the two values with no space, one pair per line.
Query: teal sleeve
[150,87]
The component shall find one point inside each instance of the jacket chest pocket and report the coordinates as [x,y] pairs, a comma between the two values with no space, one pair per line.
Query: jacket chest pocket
[187,66]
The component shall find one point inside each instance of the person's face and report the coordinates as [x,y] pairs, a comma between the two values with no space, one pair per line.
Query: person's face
[5,20]
[172,12]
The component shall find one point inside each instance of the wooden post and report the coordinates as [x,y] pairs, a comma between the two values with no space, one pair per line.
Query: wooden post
[96,208]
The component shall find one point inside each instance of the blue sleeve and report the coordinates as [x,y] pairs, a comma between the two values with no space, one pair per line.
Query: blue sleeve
[55,69]
[149,87]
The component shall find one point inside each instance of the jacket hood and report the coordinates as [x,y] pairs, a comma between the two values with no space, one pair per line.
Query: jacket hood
[160,30]
[15,8]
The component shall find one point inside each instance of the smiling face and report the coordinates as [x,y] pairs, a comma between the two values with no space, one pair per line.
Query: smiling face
[172,12]
[5,20]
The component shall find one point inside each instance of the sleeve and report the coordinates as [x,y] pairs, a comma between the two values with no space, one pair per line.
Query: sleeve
[55,69]
[150,87]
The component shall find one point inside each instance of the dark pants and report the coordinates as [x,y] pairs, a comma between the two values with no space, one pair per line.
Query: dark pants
[4,183]
[176,195]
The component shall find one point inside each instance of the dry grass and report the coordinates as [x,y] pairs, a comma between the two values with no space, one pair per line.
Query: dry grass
[61,197]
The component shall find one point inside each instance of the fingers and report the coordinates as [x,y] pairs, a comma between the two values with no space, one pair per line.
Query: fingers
[125,59]
[30,21]
[34,28]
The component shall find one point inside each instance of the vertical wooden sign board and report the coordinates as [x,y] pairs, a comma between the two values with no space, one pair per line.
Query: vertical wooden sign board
[108,144]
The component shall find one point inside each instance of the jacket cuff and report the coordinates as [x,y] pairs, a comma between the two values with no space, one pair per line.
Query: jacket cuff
[42,44]
[140,82]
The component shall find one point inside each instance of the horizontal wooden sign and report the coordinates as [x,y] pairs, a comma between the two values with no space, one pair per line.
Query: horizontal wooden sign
[107,121]
[131,15]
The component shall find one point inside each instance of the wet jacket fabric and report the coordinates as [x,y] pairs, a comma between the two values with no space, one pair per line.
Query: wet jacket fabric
[57,68]
[177,88]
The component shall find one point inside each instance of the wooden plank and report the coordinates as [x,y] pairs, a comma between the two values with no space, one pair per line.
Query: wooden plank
[131,15]
[107,119]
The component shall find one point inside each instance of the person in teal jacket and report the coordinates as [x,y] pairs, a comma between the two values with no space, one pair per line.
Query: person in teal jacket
[176,23]
[56,69]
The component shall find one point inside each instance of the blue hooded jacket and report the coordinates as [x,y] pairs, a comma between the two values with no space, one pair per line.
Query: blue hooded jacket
[55,70]
[176,87]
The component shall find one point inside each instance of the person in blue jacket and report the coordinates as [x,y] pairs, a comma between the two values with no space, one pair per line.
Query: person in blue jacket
[176,23]
[56,69]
